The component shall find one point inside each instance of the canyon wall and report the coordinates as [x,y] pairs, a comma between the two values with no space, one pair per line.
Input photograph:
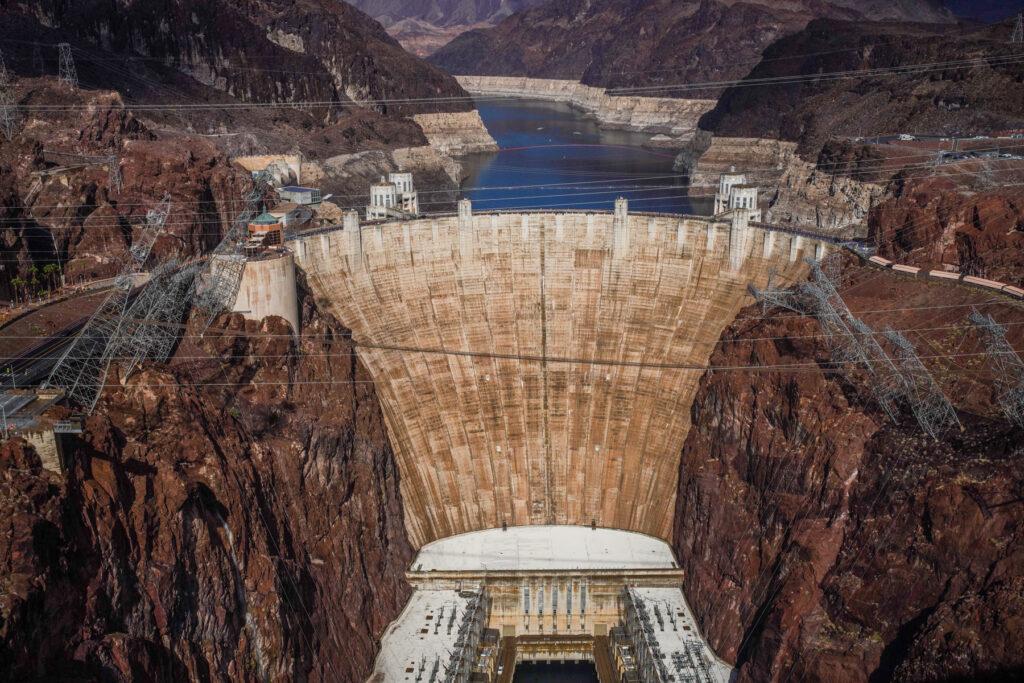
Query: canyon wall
[456,133]
[235,517]
[805,196]
[794,192]
[538,368]
[821,541]
[664,115]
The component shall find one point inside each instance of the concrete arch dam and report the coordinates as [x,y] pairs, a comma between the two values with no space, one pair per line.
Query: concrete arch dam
[531,366]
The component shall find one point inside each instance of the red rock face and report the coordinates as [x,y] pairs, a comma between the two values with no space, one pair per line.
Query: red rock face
[960,223]
[235,518]
[820,541]
[74,218]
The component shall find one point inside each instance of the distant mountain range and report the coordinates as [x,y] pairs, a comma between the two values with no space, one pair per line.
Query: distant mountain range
[442,13]
[651,43]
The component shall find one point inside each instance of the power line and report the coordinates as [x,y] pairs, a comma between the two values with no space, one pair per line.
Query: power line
[682,87]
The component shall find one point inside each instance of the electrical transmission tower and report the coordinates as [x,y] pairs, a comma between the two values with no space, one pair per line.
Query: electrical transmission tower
[8,113]
[227,261]
[932,409]
[850,341]
[68,73]
[154,319]
[114,179]
[5,76]
[82,370]
[1007,366]
[1017,38]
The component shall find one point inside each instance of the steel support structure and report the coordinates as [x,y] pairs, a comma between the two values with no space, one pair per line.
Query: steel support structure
[154,320]
[8,111]
[219,288]
[68,72]
[82,370]
[849,340]
[1007,366]
[930,406]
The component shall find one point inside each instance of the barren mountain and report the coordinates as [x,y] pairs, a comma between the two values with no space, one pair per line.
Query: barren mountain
[422,26]
[442,13]
[255,50]
[974,86]
[629,43]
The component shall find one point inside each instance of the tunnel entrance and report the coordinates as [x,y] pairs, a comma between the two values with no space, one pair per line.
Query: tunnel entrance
[555,672]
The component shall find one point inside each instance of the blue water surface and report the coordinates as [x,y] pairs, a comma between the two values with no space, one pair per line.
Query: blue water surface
[553,156]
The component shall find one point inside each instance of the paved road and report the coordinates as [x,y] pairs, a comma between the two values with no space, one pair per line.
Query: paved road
[33,365]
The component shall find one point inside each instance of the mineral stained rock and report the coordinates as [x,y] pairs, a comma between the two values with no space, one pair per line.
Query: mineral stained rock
[235,518]
[822,542]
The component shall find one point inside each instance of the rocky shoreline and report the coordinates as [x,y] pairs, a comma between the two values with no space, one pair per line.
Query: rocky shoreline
[662,116]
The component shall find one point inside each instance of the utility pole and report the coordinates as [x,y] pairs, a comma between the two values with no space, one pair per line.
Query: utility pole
[1018,30]
[68,73]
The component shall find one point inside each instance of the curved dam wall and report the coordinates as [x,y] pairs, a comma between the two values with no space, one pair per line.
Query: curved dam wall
[532,365]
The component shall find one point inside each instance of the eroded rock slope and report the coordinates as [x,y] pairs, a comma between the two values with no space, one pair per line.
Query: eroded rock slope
[235,517]
[822,542]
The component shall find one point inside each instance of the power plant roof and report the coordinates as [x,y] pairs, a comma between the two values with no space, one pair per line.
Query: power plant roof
[545,547]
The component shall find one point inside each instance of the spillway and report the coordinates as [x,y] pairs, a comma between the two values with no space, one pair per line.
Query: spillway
[538,368]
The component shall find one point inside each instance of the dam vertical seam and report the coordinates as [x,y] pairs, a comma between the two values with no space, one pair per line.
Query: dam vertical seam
[544,377]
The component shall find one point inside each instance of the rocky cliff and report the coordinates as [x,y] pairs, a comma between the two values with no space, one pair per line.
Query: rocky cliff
[971,222]
[234,517]
[976,86]
[442,12]
[254,50]
[422,26]
[456,133]
[630,43]
[662,115]
[822,542]
[58,204]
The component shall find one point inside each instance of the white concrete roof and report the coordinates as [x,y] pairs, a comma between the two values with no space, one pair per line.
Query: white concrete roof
[421,635]
[545,548]
[676,629]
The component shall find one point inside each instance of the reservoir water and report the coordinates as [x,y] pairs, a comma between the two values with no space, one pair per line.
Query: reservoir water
[553,156]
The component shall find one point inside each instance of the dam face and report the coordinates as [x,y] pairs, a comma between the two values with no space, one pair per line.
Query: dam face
[532,367]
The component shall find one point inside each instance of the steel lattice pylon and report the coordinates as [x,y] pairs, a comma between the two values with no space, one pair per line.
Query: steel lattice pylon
[1018,30]
[114,179]
[849,340]
[8,112]
[227,262]
[886,381]
[932,409]
[1007,366]
[68,72]
[82,370]
[5,76]
[154,319]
